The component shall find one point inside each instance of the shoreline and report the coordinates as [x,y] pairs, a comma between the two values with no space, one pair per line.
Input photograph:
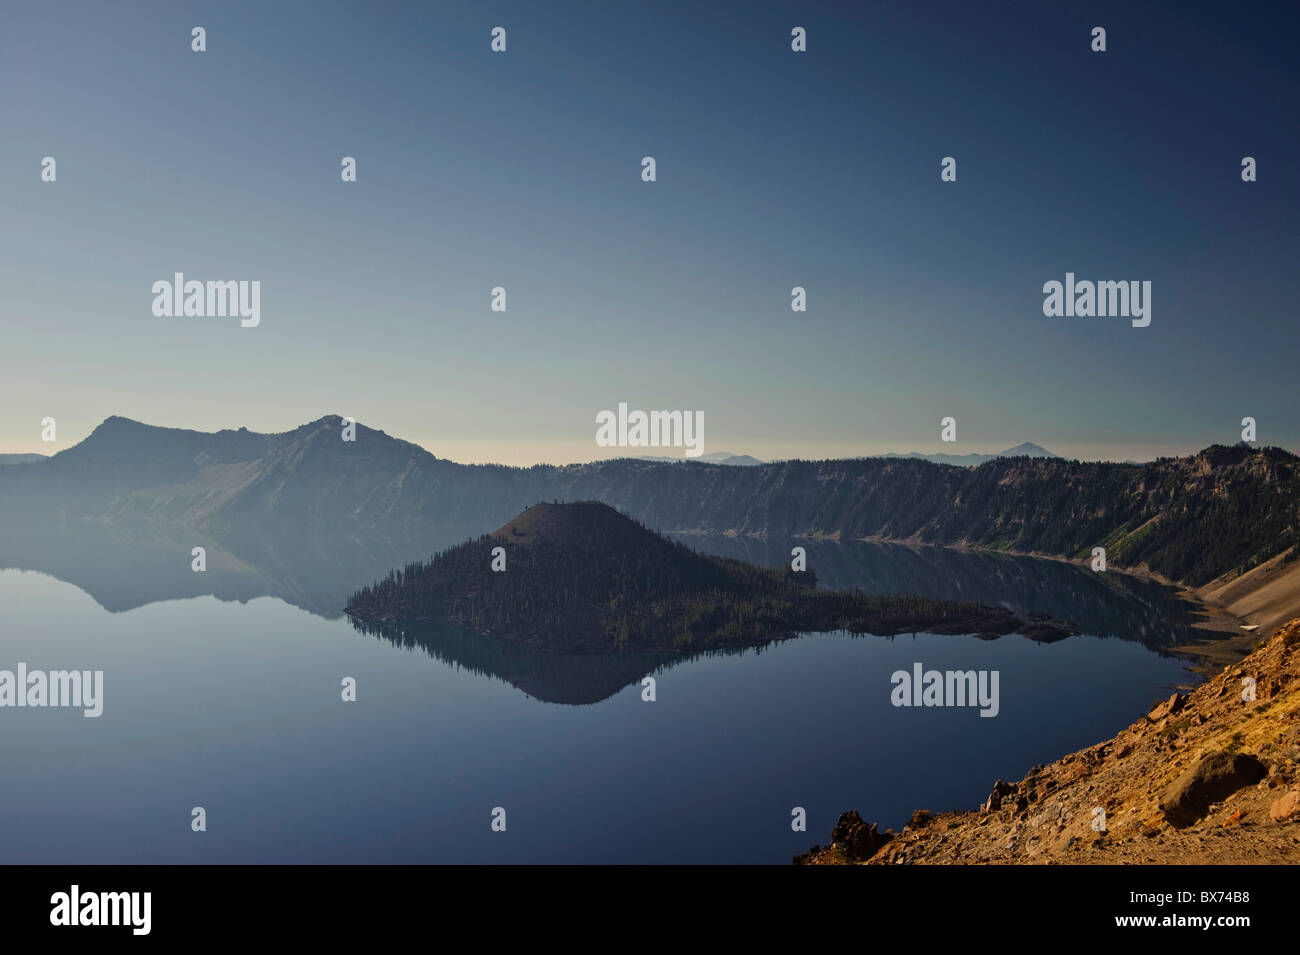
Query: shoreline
[983,620]
[1205,657]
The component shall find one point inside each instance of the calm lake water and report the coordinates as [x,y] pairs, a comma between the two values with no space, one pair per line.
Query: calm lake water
[235,707]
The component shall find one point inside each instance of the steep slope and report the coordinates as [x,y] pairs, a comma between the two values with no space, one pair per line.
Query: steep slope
[1265,594]
[1189,519]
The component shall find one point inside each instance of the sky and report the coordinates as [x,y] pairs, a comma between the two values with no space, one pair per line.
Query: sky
[775,169]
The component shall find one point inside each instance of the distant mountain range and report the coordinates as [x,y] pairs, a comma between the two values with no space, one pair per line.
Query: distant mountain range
[715,457]
[1191,519]
[1026,450]
[20,458]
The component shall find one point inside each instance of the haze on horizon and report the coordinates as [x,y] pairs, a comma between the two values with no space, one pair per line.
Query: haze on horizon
[775,169]
[528,453]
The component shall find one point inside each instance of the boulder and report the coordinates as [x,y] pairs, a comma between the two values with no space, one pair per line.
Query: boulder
[994,802]
[1286,807]
[1168,708]
[1212,779]
[858,839]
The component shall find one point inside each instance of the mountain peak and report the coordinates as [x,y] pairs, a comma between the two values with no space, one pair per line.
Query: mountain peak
[117,423]
[560,523]
[586,579]
[1026,449]
[324,421]
[116,433]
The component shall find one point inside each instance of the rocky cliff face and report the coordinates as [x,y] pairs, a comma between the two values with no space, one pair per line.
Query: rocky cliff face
[1190,519]
[1205,778]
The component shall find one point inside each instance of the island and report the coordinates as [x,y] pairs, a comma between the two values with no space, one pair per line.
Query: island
[583,578]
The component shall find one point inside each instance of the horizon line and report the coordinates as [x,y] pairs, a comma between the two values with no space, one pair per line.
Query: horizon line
[1121,453]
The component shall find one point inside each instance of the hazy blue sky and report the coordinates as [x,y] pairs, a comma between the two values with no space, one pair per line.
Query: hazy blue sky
[775,169]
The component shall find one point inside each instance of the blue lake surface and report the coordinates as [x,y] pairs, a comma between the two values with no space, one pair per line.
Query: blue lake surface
[236,707]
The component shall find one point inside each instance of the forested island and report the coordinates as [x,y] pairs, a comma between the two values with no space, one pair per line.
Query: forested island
[583,578]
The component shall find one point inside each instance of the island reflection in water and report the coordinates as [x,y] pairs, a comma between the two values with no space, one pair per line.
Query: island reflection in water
[130,563]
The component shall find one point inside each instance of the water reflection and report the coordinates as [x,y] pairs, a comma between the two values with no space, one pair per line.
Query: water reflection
[128,563]
[1109,604]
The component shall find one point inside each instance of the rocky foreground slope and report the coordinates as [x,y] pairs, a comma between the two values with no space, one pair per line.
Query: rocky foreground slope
[1205,778]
